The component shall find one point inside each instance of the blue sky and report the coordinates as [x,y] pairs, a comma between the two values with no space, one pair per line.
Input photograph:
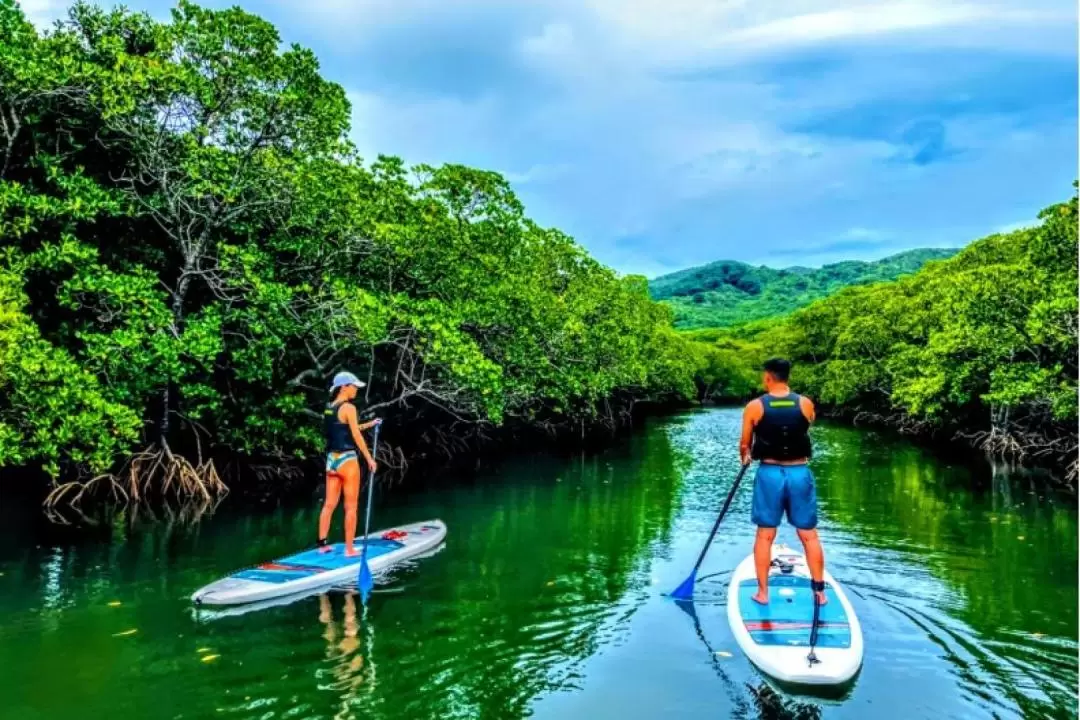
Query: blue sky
[668,133]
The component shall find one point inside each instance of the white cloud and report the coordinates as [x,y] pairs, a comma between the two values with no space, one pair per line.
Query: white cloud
[43,12]
[688,33]
[850,22]
[642,146]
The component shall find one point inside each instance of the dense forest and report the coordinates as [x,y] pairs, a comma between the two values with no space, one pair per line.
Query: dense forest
[192,248]
[726,293]
[980,348]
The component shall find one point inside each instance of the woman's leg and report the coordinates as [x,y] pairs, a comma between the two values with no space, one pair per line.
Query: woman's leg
[350,473]
[333,494]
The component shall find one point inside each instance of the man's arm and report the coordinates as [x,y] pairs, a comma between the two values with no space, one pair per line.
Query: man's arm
[751,414]
[807,407]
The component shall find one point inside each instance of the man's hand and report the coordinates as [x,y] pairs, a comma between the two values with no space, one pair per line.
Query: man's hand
[751,414]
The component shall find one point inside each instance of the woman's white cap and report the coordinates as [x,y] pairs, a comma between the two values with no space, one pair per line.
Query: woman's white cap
[346,378]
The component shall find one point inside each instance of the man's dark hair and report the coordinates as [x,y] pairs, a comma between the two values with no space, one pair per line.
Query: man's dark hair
[779,368]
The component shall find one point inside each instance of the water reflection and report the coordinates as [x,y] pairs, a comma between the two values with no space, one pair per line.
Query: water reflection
[985,575]
[546,600]
[349,651]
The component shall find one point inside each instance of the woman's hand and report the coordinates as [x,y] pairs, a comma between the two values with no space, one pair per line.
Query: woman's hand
[371,466]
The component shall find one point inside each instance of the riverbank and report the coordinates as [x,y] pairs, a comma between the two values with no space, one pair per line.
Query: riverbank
[981,347]
[1053,474]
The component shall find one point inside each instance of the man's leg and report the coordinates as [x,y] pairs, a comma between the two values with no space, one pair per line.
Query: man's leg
[767,508]
[762,559]
[815,559]
[803,515]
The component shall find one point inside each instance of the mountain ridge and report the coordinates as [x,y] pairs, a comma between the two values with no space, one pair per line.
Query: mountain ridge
[730,292]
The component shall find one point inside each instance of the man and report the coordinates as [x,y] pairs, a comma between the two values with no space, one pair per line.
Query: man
[343,441]
[776,432]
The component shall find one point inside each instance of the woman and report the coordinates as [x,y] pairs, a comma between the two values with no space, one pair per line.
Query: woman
[343,442]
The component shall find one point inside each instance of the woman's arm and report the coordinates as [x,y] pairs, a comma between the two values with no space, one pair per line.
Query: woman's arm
[349,410]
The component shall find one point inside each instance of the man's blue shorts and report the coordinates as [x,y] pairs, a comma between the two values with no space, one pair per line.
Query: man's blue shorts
[784,488]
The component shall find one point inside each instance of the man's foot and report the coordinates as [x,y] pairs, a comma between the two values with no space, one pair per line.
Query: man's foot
[761,598]
[821,599]
[352,552]
[819,591]
[322,547]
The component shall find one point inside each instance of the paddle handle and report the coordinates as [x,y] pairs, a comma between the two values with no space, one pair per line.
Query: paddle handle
[723,512]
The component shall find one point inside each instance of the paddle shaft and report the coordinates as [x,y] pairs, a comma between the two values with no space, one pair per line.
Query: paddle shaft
[371,485]
[723,512]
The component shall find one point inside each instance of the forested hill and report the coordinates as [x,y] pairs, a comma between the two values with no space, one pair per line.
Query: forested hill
[727,293]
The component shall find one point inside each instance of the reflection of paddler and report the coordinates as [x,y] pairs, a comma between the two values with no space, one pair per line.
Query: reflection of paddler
[354,668]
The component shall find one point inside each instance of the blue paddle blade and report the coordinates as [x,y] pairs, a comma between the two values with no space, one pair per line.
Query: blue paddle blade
[365,582]
[686,590]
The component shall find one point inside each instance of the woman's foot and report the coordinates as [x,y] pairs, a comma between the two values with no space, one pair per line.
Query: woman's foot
[761,598]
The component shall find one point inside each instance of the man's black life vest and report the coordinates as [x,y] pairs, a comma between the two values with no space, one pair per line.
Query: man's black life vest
[783,432]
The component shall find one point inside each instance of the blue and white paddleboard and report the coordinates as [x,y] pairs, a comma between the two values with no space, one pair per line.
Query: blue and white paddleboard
[318,568]
[776,637]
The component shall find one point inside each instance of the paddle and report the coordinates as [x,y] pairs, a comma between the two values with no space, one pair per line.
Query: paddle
[685,591]
[812,658]
[365,582]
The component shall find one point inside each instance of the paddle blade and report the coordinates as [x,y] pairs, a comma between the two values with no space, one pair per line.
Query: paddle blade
[365,582]
[686,590]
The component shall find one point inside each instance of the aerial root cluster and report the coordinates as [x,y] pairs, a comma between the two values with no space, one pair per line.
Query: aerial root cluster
[155,472]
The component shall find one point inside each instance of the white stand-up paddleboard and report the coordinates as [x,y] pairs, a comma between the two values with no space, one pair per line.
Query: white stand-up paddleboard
[321,567]
[776,637]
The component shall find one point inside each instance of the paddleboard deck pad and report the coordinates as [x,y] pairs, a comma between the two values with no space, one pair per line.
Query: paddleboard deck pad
[776,637]
[321,567]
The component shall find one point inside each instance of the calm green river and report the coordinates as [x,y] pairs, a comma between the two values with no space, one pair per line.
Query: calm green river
[546,600]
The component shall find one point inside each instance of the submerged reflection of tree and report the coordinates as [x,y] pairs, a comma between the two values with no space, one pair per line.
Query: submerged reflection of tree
[349,648]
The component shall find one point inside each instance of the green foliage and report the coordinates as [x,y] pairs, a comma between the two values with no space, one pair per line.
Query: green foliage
[51,408]
[196,249]
[728,293]
[984,343]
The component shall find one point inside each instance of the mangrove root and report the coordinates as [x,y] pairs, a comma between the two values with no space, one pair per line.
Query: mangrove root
[155,472]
